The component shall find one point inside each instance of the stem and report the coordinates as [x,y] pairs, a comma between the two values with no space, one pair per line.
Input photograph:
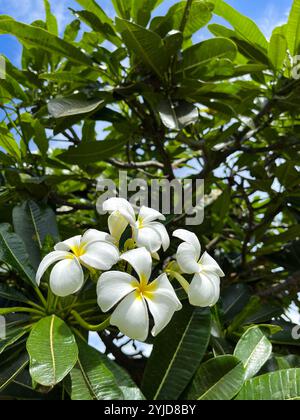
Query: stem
[186,15]
[34,305]
[181,280]
[41,297]
[89,327]
[7,311]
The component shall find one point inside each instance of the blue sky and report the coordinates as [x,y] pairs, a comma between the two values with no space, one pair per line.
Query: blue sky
[267,13]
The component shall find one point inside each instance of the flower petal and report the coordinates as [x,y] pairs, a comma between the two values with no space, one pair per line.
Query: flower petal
[131,317]
[49,260]
[162,304]
[187,258]
[140,259]
[100,255]
[69,244]
[112,287]
[66,277]
[210,265]
[149,215]
[165,238]
[122,206]
[149,238]
[204,290]
[190,238]
[117,225]
[93,235]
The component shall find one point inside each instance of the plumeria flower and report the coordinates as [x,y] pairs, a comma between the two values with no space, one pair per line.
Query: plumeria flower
[204,289]
[147,231]
[92,250]
[133,298]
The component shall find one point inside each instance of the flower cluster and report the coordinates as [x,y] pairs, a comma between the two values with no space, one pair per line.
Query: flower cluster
[129,291]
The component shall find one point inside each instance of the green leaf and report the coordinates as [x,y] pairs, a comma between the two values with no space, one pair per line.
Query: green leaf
[67,107]
[13,334]
[219,379]
[93,7]
[277,51]
[145,45]
[33,223]
[277,386]
[126,384]
[13,253]
[123,8]
[199,55]
[177,353]
[11,294]
[50,19]
[35,37]
[254,350]
[53,351]
[12,370]
[244,26]
[8,142]
[199,16]
[141,10]
[40,137]
[176,116]
[293,29]
[91,378]
[92,152]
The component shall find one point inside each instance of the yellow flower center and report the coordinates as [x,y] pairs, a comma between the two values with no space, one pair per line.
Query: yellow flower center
[79,250]
[143,288]
[140,223]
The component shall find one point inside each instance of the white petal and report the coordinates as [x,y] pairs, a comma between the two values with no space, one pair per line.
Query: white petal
[100,255]
[211,265]
[112,287]
[165,238]
[131,317]
[162,304]
[122,206]
[149,215]
[49,260]
[93,235]
[149,238]
[117,225]
[187,258]
[204,290]
[190,238]
[66,277]
[140,259]
[69,244]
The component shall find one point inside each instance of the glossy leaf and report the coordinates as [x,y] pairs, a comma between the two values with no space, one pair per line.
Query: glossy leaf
[12,370]
[253,349]
[218,379]
[177,354]
[33,223]
[276,386]
[53,351]
[91,379]
[13,252]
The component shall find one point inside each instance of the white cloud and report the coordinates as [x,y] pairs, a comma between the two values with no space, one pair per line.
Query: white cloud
[272,17]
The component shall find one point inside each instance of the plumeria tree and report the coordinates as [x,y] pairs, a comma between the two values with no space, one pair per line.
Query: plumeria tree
[180,311]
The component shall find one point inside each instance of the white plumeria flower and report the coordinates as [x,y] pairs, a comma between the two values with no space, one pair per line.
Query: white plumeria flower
[134,298]
[204,290]
[92,250]
[147,231]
